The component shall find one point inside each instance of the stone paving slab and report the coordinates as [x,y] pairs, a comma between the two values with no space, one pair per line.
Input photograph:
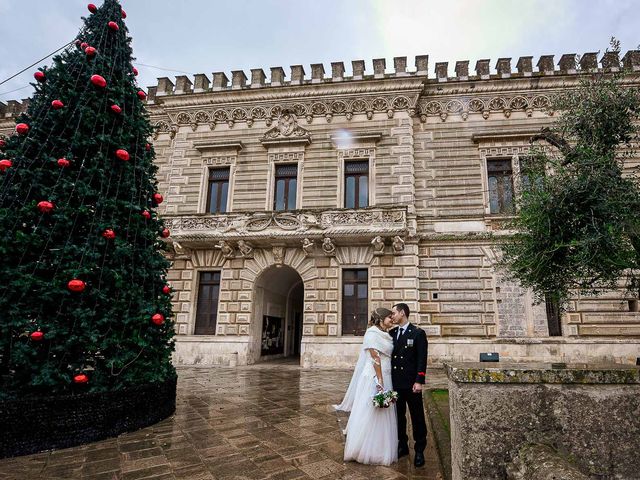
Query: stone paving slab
[271,421]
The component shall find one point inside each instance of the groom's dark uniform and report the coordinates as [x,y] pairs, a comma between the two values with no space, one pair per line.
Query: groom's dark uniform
[408,366]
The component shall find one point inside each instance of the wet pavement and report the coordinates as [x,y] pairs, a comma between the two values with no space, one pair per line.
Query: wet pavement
[265,421]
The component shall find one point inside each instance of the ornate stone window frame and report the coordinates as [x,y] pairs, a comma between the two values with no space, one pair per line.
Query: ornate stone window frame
[284,156]
[285,144]
[217,155]
[501,145]
[342,268]
[353,148]
[193,301]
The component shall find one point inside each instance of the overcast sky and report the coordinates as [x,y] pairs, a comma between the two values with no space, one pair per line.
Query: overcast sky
[204,36]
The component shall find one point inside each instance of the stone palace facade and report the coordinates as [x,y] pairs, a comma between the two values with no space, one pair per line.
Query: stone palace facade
[298,205]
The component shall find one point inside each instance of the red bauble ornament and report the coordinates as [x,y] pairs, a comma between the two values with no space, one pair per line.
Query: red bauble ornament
[122,155]
[135,71]
[116,109]
[57,104]
[141,95]
[166,289]
[124,14]
[39,76]
[90,52]
[63,162]
[37,336]
[113,26]
[147,147]
[92,8]
[84,45]
[45,207]
[76,285]
[81,378]
[146,214]
[5,163]
[158,319]
[4,144]
[98,81]
[165,233]
[22,128]
[109,234]
[158,198]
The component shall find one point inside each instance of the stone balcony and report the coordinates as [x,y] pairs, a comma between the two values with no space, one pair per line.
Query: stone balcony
[290,227]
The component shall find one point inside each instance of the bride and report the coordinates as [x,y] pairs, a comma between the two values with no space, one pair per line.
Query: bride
[372,433]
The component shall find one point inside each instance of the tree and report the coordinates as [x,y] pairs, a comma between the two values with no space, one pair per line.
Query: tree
[577,225]
[83,300]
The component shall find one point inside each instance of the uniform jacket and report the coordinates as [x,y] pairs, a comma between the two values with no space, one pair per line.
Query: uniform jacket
[409,357]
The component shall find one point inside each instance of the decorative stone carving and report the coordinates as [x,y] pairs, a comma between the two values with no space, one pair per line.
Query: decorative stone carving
[378,245]
[384,221]
[225,248]
[307,247]
[287,127]
[328,246]
[278,255]
[246,250]
[178,249]
[484,105]
[284,221]
[308,220]
[397,244]
[287,115]
[239,224]
[355,217]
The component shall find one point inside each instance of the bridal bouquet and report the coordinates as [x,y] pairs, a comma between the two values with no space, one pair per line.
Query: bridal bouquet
[384,399]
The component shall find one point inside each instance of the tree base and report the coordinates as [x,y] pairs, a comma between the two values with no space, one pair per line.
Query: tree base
[33,424]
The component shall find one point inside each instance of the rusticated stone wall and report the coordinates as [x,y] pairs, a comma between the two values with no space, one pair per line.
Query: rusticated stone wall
[427,236]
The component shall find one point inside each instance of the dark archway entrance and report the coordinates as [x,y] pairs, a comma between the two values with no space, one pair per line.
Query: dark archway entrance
[278,312]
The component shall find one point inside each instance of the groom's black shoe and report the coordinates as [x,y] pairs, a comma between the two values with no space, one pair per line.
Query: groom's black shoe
[418,461]
[403,451]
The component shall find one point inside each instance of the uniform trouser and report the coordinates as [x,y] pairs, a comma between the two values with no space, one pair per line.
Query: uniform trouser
[416,410]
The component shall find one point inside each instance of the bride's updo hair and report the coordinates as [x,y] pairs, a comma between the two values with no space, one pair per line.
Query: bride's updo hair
[378,315]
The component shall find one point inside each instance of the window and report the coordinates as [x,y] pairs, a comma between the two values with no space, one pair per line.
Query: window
[553,316]
[286,185]
[207,307]
[530,176]
[355,301]
[218,190]
[500,177]
[356,184]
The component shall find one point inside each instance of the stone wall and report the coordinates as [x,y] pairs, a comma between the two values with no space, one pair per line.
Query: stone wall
[587,413]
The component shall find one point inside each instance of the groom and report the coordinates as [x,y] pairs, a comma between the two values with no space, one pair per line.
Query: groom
[408,368]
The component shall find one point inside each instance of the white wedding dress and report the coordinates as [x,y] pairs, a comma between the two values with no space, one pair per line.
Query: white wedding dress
[372,433]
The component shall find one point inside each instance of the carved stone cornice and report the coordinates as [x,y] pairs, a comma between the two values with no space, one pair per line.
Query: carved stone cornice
[208,146]
[490,136]
[309,109]
[484,105]
[512,85]
[285,94]
[295,225]
[497,96]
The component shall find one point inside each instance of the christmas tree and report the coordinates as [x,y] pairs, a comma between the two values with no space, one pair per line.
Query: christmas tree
[84,304]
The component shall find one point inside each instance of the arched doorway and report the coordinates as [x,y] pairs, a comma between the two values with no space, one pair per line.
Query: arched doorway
[278,310]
